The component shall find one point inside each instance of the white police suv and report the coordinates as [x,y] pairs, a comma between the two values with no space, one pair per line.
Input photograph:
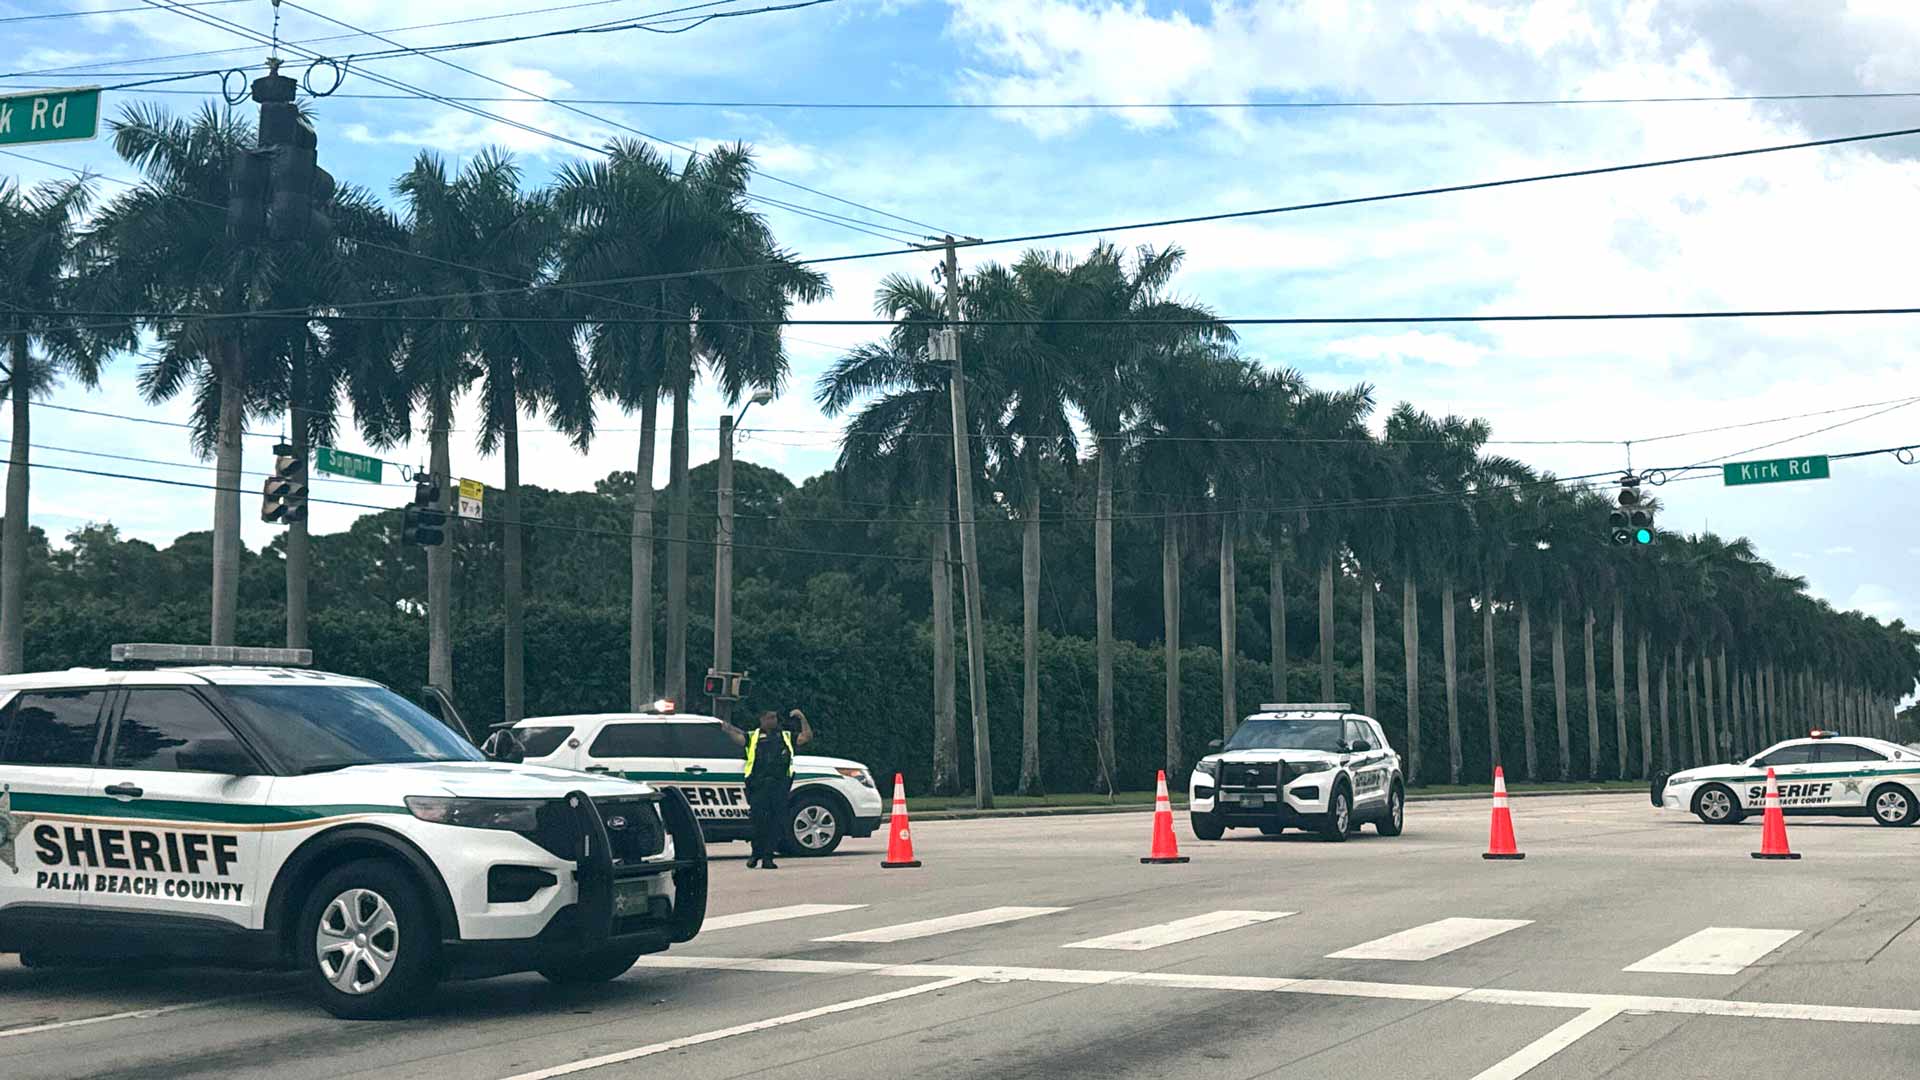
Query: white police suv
[832,799]
[272,816]
[1311,766]
[1823,774]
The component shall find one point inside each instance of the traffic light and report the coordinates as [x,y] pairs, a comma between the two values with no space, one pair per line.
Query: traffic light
[1630,522]
[246,196]
[297,191]
[726,684]
[424,522]
[284,496]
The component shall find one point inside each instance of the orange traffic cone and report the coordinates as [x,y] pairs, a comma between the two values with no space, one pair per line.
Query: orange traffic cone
[899,840]
[1500,843]
[1165,848]
[1773,831]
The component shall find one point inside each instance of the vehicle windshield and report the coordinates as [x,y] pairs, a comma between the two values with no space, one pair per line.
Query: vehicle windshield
[1288,735]
[318,728]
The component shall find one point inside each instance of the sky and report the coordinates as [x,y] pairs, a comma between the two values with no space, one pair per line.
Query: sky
[1817,228]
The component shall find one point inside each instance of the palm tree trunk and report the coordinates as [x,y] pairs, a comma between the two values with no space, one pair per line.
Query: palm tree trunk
[1560,689]
[1531,748]
[13,544]
[1277,617]
[226,499]
[1710,724]
[946,732]
[1646,712]
[641,687]
[1728,719]
[1593,707]
[1368,676]
[679,505]
[1103,612]
[1493,680]
[513,681]
[1450,657]
[299,539]
[440,556]
[1170,621]
[1030,638]
[1620,684]
[1693,713]
[1326,630]
[1229,627]
[1410,641]
[1666,728]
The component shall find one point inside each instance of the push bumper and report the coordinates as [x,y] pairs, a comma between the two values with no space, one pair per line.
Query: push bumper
[1275,793]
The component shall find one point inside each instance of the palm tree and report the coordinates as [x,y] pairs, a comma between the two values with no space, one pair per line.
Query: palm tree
[1498,520]
[40,246]
[1328,472]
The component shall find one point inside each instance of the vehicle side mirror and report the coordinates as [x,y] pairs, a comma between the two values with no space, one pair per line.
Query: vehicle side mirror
[504,745]
[1359,746]
[1214,744]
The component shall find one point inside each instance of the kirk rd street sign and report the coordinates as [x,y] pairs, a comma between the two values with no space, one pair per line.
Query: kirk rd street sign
[1775,471]
[49,116]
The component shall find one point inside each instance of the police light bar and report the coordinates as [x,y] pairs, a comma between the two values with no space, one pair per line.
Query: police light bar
[1308,706]
[663,705]
[1816,733]
[153,653]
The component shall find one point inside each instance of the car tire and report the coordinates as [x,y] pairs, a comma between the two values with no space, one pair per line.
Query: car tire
[1395,818]
[1338,824]
[1272,830]
[815,826]
[586,968]
[1206,826]
[1716,804]
[1893,806]
[366,943]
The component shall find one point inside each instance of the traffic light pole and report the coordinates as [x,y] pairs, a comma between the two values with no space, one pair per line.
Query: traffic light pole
[723,564]
[969,552]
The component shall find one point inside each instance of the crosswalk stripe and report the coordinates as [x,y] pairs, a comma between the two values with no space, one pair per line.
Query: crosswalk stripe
[944,925]
[1168,933]
[1433,939]
[1717,950]
[775,914]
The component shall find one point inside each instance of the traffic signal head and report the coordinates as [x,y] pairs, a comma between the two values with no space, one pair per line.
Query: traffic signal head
[284,495]
[424,522]
[246,196]
[1630,522]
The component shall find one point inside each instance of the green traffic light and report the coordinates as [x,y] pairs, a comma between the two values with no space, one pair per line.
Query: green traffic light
[1643,536]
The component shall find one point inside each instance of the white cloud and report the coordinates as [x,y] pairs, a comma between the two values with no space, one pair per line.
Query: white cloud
[1413,346]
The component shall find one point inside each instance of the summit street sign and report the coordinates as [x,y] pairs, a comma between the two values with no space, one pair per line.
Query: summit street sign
[1775,471]
[49,116]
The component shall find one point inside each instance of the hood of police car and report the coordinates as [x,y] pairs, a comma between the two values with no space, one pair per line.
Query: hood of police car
[481,780]
[1297,757]
[814,761]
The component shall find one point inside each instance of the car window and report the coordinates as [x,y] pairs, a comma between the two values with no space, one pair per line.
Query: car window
[1357,732]
[1834,753]
[54,727]
[703,741]
[312,729]
[1288,734]
[1799,754]
[632,740]
[541,741]
[175,731]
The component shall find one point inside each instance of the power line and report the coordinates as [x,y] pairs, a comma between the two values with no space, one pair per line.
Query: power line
[1772,420]
[106,11]
[1803,435]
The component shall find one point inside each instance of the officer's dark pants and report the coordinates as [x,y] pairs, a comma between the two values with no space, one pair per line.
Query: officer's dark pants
[767,812]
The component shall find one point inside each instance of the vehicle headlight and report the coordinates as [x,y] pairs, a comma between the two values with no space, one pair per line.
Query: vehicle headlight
[1683,778]
[1308,768]
[510,815]
[859,776]
[1207,768]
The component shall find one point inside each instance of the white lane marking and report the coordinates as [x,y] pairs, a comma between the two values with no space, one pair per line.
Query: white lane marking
[132,1014]
[1433,939]
[946,924]
[776,914]
[739,1029]
[1541,1049]
[1169,933]
[1543,999]
[1717,950]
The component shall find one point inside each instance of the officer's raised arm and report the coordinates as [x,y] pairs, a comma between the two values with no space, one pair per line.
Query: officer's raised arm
[739,737]
[806,729]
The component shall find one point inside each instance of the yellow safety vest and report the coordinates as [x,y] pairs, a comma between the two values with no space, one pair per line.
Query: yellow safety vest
[753,743]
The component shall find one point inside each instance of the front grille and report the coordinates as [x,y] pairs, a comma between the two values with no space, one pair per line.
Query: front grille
[633,828]
[1250,774]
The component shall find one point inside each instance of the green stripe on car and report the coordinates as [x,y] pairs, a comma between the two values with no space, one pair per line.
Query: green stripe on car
[171,810]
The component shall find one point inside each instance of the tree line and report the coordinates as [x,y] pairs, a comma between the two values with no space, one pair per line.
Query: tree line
[1115,423]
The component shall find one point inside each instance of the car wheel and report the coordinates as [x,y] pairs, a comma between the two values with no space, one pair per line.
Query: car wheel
[1893,805]
[366,941]
[1339,821]
[1396,815]
[1272,830]
[584,968]
[1718,805]
[1206,826]
[815,826]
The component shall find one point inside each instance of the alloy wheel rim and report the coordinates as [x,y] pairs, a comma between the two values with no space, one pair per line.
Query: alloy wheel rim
[1341,813]
[1892,806]
[813,827]
[1399,808]
[357,941]
[1715,805]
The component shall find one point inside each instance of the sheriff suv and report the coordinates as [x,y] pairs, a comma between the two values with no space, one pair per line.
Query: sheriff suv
[187,806]
[832,799]
[1318,767]
[1823,774]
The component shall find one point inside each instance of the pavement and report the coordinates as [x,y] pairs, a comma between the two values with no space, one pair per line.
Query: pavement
[1629,943]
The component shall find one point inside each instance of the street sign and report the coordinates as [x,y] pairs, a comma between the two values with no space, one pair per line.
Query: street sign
[1775,471]
[50,116]
[472,494]
[351,466]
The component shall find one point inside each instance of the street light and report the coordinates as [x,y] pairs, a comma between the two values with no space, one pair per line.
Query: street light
[723,546]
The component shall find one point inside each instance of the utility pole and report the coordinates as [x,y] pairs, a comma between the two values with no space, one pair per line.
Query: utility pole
[723,548]
[969,552]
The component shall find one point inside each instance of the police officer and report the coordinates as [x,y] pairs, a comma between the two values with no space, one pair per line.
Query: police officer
[769,772]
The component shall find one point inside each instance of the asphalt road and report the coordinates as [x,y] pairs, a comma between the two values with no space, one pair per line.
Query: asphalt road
[1056,954]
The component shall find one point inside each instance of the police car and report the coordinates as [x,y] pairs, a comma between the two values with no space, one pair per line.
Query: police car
[832,799]
[1823,774]
[216,812]
[1310,766]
